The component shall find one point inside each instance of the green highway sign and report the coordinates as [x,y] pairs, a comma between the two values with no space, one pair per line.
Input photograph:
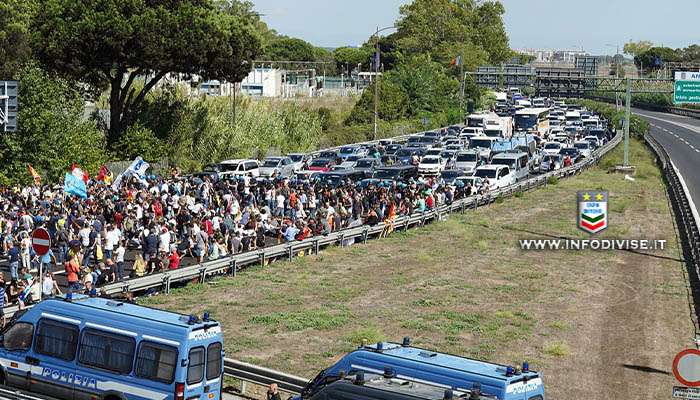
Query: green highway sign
[687,88]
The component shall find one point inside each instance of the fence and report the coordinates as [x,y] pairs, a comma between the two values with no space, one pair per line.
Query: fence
[687,112]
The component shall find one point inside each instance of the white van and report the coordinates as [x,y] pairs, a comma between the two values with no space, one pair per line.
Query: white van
[517,162]
[585,147]
[233,168]
[467,161]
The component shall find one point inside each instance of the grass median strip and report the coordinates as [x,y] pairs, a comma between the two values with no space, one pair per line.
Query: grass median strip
[463,286]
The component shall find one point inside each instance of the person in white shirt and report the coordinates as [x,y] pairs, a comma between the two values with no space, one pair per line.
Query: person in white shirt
[119,259]
[164,242]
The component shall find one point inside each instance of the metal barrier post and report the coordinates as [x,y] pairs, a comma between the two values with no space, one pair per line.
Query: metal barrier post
[233,265]
[291,252]
[365,234]
[202,274]
[262,259]
[316,246]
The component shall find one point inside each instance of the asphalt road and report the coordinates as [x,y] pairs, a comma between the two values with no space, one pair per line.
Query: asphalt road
[680,137]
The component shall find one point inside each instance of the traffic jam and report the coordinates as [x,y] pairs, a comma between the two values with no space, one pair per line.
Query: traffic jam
[493,149]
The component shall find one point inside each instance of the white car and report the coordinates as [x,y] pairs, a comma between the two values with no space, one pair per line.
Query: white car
[299,160]
[551,162]
[585,147]
[498,176]
[595,140]
[349,163]
[234,168]
[468,160]
[280,167]
[551,148]
[431,165]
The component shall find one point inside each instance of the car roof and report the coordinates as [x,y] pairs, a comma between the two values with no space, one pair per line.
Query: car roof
[234,161]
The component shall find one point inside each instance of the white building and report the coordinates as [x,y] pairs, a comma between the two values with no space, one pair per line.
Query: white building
[263,82]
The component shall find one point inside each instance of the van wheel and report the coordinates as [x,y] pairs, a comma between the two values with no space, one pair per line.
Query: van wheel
[3,381]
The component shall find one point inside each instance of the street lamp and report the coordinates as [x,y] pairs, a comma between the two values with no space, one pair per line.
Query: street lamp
[376,76]
[617,71]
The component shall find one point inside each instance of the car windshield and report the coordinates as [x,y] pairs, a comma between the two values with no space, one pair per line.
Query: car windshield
[430,160]
[386,174]
[552,146]
[364,164]
[433,152]
[352,158]
[393,147]
[486,173]
[296,157]
[451,174]
[319,163]
[482,143]
[466,157]
[492,132]
[271,163]
[211,168]
[582,146]
[426,139]
[551,159]
[347,150]
[525,122]
[569,152]
[404,153]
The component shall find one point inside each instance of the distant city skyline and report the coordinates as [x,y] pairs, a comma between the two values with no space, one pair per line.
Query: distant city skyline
[597,26]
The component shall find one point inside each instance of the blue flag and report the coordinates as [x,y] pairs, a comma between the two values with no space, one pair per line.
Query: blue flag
[74,185]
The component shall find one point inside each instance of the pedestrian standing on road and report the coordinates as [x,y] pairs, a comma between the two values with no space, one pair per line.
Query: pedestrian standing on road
[49,286]
[72,269]
[119,259]
[14,256]
[273,392]
[3,299]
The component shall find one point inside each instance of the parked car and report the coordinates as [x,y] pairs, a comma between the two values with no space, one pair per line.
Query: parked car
[585,147]
[347,151]
[392,148]
[279,167]
[299,160]
[551,162]
[349,162]
[572,152]
[235,168]
[498,176]
[367,165]
[210,171]
[468,160]
[396,173]
[431,165]
[321,164]
[551,148]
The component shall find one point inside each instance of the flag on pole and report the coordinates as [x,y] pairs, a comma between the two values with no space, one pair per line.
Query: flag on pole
[74,185]
[37,178]
[137,169]
[105,175]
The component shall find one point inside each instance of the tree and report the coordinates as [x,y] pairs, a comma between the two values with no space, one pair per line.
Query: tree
[351,56]
[292,49]
[114,43]
[52,131]
[15,42]
[393,104]
[635,49]
[445,29]
[655,57]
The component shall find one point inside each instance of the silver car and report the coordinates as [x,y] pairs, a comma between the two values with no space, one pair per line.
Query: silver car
[277,167]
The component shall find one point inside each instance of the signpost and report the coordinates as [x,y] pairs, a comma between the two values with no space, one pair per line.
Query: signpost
[680,392]
[41,243]
[8,106]
[686,88]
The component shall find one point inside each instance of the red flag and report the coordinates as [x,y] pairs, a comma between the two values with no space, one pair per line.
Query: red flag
[79,173]
[37,178]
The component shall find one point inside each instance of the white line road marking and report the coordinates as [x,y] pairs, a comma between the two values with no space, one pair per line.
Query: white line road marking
[687,194]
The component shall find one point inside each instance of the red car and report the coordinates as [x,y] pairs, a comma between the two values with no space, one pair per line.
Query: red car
[321,164]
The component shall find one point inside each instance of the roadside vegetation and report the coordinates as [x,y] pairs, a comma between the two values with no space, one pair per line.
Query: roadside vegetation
[463,286]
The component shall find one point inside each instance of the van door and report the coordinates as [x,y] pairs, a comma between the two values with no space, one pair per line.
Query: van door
[16,344]
[53,358]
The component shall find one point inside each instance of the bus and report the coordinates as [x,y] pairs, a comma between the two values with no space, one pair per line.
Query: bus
[80,347]
[535,120]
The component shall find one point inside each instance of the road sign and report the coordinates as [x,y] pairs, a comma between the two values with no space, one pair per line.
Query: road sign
[686,367]
[41,241]
[8,106]
[680,392]
[687,88]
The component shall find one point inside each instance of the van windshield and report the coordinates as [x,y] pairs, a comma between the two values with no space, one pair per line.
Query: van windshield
[492,132]
[485,173]
[481,143]
[229,167]
[503,161]
[466,157]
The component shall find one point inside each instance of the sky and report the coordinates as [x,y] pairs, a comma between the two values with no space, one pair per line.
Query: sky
[544,24]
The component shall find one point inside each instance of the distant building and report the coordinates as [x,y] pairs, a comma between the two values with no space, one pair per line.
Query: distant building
[554,56]
[263,82]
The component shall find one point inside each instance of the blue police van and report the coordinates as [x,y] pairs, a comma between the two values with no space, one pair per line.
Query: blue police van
[403,361]
[95,348]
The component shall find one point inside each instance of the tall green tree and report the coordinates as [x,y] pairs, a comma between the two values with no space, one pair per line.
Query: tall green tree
[53,132]
[290,49]
[113,43]
[656,56]
[15,40]
[635,49]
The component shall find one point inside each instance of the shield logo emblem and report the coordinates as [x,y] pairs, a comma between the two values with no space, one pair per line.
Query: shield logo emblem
[592,210]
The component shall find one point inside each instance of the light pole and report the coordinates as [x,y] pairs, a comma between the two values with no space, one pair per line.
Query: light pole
[376,76]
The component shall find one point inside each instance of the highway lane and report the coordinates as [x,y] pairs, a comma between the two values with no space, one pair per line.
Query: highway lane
[680,137]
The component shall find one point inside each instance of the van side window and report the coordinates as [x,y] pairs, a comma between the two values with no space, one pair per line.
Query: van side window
[156,362]
[195,370]
[56,339]
[107,350]
[19,336]
[213,361]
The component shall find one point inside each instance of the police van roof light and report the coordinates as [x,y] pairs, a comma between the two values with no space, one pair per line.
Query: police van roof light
[509,371]
[448,395]
[389,372]
[205,317]
[360,378]
[406,341]
[526,366]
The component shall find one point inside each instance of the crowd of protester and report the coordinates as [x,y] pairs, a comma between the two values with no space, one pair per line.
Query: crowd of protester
[154,227]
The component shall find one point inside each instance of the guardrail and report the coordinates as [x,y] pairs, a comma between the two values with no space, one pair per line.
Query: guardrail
[686,222]
[11,394]
[263,376]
